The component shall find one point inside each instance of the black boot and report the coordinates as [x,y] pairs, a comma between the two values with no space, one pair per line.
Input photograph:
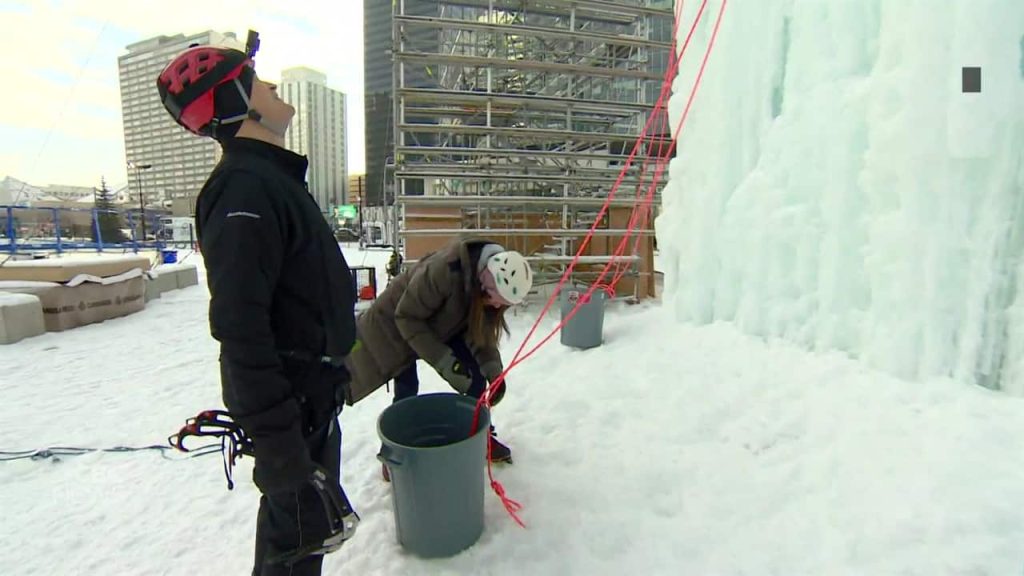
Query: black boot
[498,451]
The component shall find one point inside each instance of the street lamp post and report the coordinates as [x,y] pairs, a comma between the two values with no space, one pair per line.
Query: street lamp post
[142,203]
[359,201]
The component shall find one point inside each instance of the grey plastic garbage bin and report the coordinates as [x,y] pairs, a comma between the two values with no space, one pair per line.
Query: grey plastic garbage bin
[586,328]
[437,471]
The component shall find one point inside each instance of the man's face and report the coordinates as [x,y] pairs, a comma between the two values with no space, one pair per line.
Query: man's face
[275,112]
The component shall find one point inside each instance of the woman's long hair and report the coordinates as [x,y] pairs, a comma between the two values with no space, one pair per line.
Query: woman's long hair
[486,323]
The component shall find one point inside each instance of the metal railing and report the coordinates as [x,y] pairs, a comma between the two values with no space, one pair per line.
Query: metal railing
[33,230]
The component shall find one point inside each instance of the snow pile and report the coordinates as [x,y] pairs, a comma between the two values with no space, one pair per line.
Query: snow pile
[11,299]
[835,187]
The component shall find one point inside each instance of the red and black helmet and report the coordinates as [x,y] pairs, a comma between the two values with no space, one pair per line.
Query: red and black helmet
[187,86]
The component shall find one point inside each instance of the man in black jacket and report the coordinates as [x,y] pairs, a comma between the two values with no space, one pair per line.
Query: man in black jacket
[281,304]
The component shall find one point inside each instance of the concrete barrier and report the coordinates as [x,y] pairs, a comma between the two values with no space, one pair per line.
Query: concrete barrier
[152,289]
[158,282]
[21,316]
[177,275]
[188,276]
[85,300]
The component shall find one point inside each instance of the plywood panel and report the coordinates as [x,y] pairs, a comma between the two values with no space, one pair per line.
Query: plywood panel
[453,218]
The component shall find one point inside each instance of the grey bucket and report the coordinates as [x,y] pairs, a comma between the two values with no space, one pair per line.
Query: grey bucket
[437,471]
[586,328]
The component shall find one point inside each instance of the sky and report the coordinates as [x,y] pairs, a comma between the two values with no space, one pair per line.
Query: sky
[60,109]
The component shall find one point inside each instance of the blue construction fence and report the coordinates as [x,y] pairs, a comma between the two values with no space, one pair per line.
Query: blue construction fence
[61,229]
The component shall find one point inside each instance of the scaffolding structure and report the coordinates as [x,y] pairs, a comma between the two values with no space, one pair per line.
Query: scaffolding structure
[516,117]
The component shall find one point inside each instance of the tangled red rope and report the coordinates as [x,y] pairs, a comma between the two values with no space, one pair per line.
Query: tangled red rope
[638,219]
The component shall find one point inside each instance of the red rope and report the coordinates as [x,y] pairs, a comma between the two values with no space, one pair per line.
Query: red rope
[519,357]
[645,203]
[641,210]
[663,162]
[659,105]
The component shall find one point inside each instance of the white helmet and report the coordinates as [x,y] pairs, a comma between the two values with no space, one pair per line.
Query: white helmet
[513,276]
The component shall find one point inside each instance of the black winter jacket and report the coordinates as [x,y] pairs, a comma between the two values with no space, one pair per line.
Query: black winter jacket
[278,284]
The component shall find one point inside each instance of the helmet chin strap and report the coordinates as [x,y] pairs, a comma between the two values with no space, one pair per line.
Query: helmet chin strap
[254,115]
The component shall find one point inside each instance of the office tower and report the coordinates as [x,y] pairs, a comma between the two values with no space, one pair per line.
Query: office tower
[318,132]
[378,71]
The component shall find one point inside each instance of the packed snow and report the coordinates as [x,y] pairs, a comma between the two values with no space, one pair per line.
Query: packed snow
[671,449]
[836,188]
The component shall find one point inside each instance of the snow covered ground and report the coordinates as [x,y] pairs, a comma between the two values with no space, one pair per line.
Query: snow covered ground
[672,449]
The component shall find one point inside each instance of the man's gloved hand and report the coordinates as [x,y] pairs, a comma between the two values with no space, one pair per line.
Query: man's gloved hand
[282,461]
[454,372]
[303,497]
[321,515]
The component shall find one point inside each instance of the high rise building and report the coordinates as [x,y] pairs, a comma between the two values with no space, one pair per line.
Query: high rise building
[357,188]
[318,132]
[378,73]
[377,94]
[162,159]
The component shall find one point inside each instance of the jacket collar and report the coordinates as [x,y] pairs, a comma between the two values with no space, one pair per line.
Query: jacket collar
[461,255]
[287,161]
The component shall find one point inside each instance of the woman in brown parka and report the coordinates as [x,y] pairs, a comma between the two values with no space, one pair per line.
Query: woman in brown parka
[448,310]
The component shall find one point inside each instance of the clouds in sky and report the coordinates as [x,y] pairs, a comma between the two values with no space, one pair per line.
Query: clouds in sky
[60,110]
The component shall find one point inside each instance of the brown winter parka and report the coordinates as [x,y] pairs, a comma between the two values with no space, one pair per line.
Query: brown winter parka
[420,310]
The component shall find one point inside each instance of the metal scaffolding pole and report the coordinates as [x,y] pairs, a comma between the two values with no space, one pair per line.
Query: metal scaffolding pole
[516,118]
